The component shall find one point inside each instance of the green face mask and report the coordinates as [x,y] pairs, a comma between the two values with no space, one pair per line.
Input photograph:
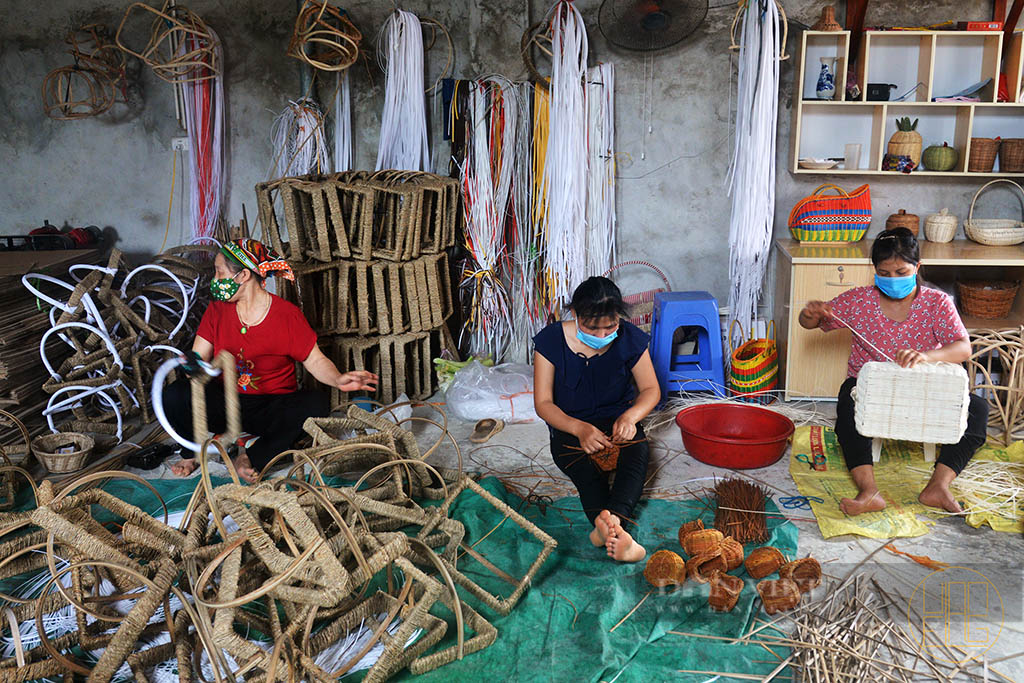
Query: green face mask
[224,288]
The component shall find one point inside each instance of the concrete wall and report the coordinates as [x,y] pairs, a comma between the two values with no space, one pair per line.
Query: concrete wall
[673,207]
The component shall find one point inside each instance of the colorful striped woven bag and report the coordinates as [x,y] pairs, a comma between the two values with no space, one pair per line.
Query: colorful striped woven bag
[842,218]
[754,368]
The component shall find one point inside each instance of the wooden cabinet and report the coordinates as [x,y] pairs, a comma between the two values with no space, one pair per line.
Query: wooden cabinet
[812,363]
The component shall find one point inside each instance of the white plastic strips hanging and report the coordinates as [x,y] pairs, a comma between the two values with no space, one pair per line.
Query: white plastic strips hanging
[403,125]
[752,172]
[600,169]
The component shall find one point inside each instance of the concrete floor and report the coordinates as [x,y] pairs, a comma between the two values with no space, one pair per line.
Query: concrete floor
[520,452]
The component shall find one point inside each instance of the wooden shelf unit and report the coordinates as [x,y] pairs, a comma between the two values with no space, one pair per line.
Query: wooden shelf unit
[812,364]
[939,63]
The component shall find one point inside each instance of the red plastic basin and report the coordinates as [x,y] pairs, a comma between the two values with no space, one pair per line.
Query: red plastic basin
[734,436]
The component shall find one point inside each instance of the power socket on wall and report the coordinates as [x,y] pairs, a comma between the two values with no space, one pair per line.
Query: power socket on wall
[179,144]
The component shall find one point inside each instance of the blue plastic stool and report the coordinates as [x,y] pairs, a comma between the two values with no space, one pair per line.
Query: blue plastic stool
[703,370]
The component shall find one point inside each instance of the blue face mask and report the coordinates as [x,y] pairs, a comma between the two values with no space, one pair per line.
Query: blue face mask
[593,341]
[896,287]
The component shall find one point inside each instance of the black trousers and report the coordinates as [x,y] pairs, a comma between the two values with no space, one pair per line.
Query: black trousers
[857,448]
[596,494]
[275,418]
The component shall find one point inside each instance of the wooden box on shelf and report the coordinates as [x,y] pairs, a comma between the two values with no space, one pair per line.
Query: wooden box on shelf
[812,364]
[923,65]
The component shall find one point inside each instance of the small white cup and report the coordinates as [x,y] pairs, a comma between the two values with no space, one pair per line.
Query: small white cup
[851,160]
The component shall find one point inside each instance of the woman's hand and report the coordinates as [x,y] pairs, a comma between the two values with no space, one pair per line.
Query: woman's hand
[624,428]
[591,438]
[814,312]
[356,380]
[908,358]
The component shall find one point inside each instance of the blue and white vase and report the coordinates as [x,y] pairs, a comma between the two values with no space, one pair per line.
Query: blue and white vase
[826,89]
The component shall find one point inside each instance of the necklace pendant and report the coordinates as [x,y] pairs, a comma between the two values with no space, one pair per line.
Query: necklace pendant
[244,329]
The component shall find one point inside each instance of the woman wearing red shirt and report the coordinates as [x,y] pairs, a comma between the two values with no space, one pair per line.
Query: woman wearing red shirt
[911,324]
[267,336]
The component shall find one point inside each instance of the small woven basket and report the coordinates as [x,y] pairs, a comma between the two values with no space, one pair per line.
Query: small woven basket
[640,306]
[902,219]
[983,155]
[941,226]
[994,231]
[987,299]
[1011,155]
[47,449]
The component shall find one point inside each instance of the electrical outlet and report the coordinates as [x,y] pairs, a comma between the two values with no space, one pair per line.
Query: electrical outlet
[179,144]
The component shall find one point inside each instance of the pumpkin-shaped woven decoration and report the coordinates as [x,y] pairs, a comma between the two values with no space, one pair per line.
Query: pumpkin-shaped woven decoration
[942,158]
[763,561]
[805,573]
[701,567]
[701,541]
[732,551]
[695,525]
[778,595]
[665,568]
[725,591]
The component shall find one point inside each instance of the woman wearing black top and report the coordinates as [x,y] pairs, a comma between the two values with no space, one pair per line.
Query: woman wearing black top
[593,377]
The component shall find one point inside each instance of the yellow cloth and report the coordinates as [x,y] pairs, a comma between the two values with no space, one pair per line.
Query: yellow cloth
[898,485]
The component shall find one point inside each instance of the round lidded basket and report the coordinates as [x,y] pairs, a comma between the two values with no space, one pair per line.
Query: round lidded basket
[994,231]
[76,449]
[910,221]
[1011,155]
[941,226]
[983,155]
[987,299]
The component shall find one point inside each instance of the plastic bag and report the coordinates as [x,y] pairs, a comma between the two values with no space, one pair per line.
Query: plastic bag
[504,392]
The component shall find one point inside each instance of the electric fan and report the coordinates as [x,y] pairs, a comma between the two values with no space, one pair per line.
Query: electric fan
[648,25]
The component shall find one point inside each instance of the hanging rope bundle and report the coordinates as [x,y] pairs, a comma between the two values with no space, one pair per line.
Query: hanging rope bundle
[566,161]
[203,96]
[486,176]
[324,37]
[299,140]
[600,169]
[173,27]
[752,172]
[403,127]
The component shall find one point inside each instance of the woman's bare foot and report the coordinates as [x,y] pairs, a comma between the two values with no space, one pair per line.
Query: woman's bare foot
[623,548]
[184,467]
[244,468]
[602,526]
[935,495]
[866,501]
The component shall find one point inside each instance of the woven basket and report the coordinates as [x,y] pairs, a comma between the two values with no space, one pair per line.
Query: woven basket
[983,155]
[987,299]
[46,448]
[941,226]
[902,219]
[926,403]
[1011,155]
[640,307]
[994,231]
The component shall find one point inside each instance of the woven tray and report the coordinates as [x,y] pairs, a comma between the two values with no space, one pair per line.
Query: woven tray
[927,403]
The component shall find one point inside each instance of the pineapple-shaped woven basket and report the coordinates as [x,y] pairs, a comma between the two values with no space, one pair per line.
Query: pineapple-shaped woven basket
[906,141]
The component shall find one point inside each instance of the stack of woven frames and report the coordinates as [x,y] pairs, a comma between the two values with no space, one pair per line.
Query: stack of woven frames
[369,251]
[141,596]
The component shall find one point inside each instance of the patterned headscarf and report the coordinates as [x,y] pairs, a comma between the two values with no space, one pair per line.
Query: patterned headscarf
[258,258]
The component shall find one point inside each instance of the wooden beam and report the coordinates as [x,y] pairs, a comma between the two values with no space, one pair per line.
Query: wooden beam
[1011,24]
[998,10]
[855,11]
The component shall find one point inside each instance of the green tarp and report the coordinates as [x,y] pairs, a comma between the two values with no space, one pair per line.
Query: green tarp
[559,631]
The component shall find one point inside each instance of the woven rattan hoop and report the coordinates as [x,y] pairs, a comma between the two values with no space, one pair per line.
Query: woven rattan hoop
[174,24]
[336,36]
[63,97]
